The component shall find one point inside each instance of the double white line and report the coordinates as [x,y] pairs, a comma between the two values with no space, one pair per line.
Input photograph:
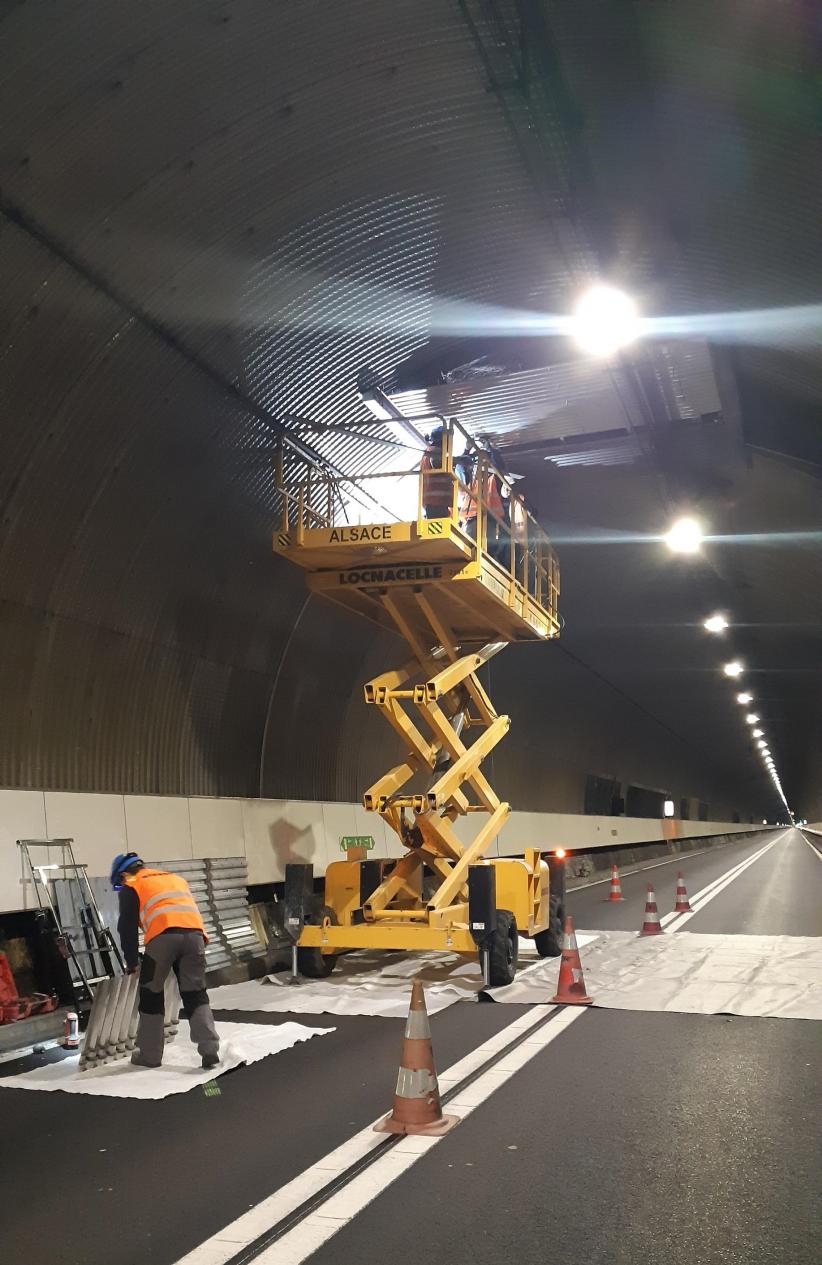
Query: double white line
[706,895]
[306,1212]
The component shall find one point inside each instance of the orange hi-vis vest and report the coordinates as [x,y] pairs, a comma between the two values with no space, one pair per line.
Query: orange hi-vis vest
[165,901]
[493,500]
[436,484]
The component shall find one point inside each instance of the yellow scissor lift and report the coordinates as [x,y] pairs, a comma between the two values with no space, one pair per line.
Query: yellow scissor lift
[459,587]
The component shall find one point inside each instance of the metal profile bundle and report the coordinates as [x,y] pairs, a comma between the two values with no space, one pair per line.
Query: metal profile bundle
[194,872]
[227,879]
[112,1026]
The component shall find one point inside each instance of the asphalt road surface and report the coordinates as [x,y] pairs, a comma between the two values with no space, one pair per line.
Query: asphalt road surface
[630,1137]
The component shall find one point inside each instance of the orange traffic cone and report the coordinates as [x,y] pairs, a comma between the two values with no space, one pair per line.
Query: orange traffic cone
[571,986]
[651,925]
[615,891]
[417,1107]
[683,905]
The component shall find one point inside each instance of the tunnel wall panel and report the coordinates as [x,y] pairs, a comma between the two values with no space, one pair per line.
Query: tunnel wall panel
[270,833]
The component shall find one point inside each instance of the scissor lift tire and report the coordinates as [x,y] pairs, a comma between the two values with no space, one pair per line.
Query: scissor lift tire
[548,943]
[504,950]
[312,963]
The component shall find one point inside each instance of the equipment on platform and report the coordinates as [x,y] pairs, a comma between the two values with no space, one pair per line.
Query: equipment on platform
[459,588]
[683,905]
[615,890]
[112,1024]
[417,1107]
[571,986]
[82,935]
[651,925]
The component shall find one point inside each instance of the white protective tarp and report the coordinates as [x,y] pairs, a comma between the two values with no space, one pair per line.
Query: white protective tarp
[361,984]
[181,1069]
[365,983]
[778,976]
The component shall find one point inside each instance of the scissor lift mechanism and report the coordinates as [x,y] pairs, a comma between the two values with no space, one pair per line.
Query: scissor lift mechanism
[457,606]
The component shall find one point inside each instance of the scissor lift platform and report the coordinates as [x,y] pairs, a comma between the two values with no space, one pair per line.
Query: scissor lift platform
[380,570]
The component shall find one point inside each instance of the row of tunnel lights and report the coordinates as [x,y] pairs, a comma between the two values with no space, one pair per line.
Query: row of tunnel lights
[686,536]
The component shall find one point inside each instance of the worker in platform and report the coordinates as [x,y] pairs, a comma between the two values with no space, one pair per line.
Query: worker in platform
[175,940]
[485,484]
[436,485]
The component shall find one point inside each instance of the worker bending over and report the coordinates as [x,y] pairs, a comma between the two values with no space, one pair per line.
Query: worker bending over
[175,939]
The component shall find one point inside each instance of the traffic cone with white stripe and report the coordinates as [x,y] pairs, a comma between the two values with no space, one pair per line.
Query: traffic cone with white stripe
[683,905]
[615,892]
[651,926]
[417,1107]
[571,986]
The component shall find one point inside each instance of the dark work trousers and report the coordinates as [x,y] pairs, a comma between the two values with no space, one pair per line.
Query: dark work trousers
[184,953]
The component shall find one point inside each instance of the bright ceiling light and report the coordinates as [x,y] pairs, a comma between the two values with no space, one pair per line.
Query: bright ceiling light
[604,320]
[752,718]
[761,743]
[757,733]
[716,624]
[685,536]
[734,668]
[384,409]
[744,698]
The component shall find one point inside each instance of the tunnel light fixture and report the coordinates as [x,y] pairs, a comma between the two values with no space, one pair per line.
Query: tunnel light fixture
[385,410]
[715,624]
[744,698]
[379,405]
[604,320]
[752,718]
[668,808]
[734,668]
[685,536]
[761,743]
[757,733]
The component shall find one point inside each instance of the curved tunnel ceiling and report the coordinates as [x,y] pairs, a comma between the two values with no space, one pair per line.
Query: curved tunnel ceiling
[212,216]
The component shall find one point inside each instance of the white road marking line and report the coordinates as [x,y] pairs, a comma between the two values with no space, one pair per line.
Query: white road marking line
[709,887]
[812,846]
[339,1208]
[294,1247]
[708,893]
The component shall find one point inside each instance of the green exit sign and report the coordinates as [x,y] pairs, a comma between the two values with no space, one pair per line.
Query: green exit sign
[356,841]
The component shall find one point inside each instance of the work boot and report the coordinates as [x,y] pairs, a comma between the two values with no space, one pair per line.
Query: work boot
[210,1060]
[139,1061]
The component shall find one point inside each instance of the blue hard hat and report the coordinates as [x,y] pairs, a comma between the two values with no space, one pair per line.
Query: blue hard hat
[123,861]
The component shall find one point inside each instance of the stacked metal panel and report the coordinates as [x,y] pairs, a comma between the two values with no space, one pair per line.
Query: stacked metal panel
[227,879]
[219,886]
[194,873]
[112,1023]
